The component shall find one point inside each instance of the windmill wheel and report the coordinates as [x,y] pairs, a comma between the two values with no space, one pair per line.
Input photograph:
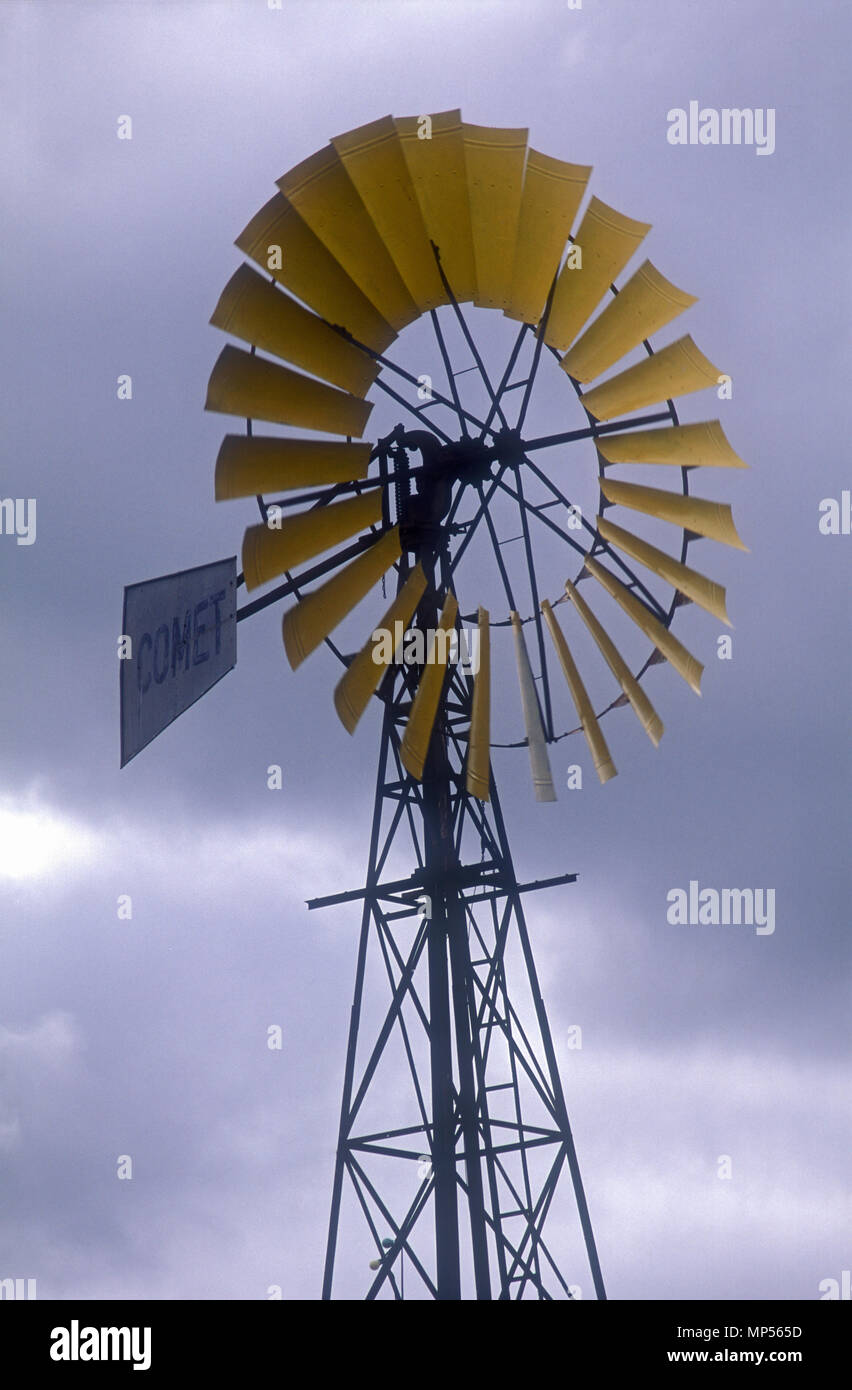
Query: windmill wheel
[410,218]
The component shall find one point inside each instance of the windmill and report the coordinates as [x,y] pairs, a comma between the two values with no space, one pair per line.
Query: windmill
[469,522]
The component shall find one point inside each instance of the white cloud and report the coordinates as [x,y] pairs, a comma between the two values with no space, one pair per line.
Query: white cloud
[36,841]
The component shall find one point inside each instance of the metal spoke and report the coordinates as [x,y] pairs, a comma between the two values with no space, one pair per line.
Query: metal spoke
[513,357]
[549,441]
[477,517]
[448,367]
[413,410]
[507,585]
[468,337]
[539,626]
[539,344]
[599,544]
[544,519]
[400,371]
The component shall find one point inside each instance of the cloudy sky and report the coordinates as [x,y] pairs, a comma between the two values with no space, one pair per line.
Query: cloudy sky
[148,1037]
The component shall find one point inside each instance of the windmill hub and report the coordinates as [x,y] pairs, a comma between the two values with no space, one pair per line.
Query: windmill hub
[463,460]
[468,459]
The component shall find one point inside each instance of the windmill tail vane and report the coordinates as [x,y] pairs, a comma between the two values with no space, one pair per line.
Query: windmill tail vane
[455,1152]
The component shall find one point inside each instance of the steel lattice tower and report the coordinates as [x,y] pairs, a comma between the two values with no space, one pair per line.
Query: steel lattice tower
[445,955]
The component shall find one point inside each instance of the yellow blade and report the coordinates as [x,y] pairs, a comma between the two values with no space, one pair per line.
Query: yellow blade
[323,194]
[604,766]
[673,371]
[539,761]
[478,777]
[418,730]
[282,244]
[607,239]
[243,384]
[250,464]
[687,446]
[674,651]
[316,615]
[436,163]
[647,302]
[376,165]
[644,710]
[253,309]
[552,194]
[268,551]
[354,689]
[687,581]
[712,519]
[495,179]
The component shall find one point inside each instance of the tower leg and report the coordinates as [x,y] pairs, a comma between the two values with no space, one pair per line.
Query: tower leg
[467,1018]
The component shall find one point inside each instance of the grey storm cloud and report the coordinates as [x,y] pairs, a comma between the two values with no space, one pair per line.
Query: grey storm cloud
[147,1036]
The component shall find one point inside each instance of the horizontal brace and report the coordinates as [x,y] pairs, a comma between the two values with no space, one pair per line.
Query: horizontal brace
[487,1150]
[524,887]
[362,1139]
[502,892]
[491,1150]
[482,1150]
[523,1127]
[465,876]
[546,883]
[384,1152]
